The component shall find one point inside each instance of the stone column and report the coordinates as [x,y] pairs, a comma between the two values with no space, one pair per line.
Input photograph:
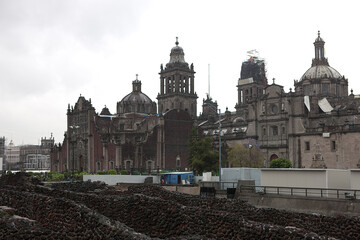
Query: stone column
[192,85]
[162,79]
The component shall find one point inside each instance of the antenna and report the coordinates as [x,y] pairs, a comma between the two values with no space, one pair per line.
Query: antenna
[209,80]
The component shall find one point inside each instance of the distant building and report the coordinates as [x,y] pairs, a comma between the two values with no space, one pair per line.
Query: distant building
[12,157]
[36,157]
[2,152]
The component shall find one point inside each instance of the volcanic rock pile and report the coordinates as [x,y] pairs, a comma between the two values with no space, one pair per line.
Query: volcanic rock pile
[85,210]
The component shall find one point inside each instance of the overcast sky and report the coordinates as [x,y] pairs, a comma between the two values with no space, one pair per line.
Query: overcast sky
[53,51]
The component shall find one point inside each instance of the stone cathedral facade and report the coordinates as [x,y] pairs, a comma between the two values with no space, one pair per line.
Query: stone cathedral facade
[136,137]
[315,125]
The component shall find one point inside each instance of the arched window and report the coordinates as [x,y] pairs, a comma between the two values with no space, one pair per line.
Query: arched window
[273,156]
[149,165]
[128,165]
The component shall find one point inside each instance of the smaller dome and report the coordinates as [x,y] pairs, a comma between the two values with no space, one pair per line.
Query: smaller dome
[321,71]
[177,53]
[319,39]
[105,111]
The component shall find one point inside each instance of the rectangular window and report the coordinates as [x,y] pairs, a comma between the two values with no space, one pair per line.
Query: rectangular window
[275,130]
[307,146]
[333,145]
[325,88]
[307,90]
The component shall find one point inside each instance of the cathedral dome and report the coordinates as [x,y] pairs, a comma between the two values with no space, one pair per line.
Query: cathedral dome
[320,72]
[135,97]
[320,68]
[136,101]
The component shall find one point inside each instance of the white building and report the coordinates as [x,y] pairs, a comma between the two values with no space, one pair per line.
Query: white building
[12,155]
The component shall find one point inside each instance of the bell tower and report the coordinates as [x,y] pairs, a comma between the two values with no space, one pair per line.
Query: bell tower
[177,84]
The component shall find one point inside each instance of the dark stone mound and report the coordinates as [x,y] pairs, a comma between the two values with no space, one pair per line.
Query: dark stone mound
[94,211]
[81,186]
[19,179]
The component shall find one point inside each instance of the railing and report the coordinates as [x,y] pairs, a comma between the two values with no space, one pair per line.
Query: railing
[219,186]
[304,192]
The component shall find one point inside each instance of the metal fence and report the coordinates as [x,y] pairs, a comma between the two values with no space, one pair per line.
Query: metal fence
[287,191]
[304,192]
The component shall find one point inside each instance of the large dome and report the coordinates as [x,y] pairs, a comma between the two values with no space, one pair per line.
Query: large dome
[320,72]
[135,97]
[136,101]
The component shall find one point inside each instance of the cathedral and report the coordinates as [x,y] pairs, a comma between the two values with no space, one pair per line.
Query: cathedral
[138,137]
[315,125]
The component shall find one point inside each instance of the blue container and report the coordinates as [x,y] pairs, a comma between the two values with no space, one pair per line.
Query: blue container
[178,178]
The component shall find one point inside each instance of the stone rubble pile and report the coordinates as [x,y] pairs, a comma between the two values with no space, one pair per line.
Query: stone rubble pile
[85,210]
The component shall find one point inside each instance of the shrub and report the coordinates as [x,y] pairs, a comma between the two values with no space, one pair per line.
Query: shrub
[112,172]
[57,176]
[83,173]
[124,172]
[101,173]
[280,163]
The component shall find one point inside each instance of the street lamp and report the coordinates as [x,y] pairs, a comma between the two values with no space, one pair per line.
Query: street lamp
[250,146]
[219,147]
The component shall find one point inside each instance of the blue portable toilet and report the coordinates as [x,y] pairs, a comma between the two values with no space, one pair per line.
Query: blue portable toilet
[178,178]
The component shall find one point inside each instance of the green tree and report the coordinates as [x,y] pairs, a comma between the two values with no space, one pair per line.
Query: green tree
[244,156]
[202,157]
[280,163]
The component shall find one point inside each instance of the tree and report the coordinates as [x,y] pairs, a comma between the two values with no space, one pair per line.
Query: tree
[280,163]
[202,157]
[238,156]
[246,155]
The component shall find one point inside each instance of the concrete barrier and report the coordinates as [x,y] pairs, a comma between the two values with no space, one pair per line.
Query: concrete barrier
[188,189]
[324,206]
[114,179]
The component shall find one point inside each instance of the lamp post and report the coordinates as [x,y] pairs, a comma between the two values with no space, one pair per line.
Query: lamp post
[219,148]
[250,146]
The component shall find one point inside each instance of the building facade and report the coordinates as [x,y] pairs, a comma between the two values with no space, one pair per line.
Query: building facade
[315,125]
[136,137]
[12,157]
[36,157]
